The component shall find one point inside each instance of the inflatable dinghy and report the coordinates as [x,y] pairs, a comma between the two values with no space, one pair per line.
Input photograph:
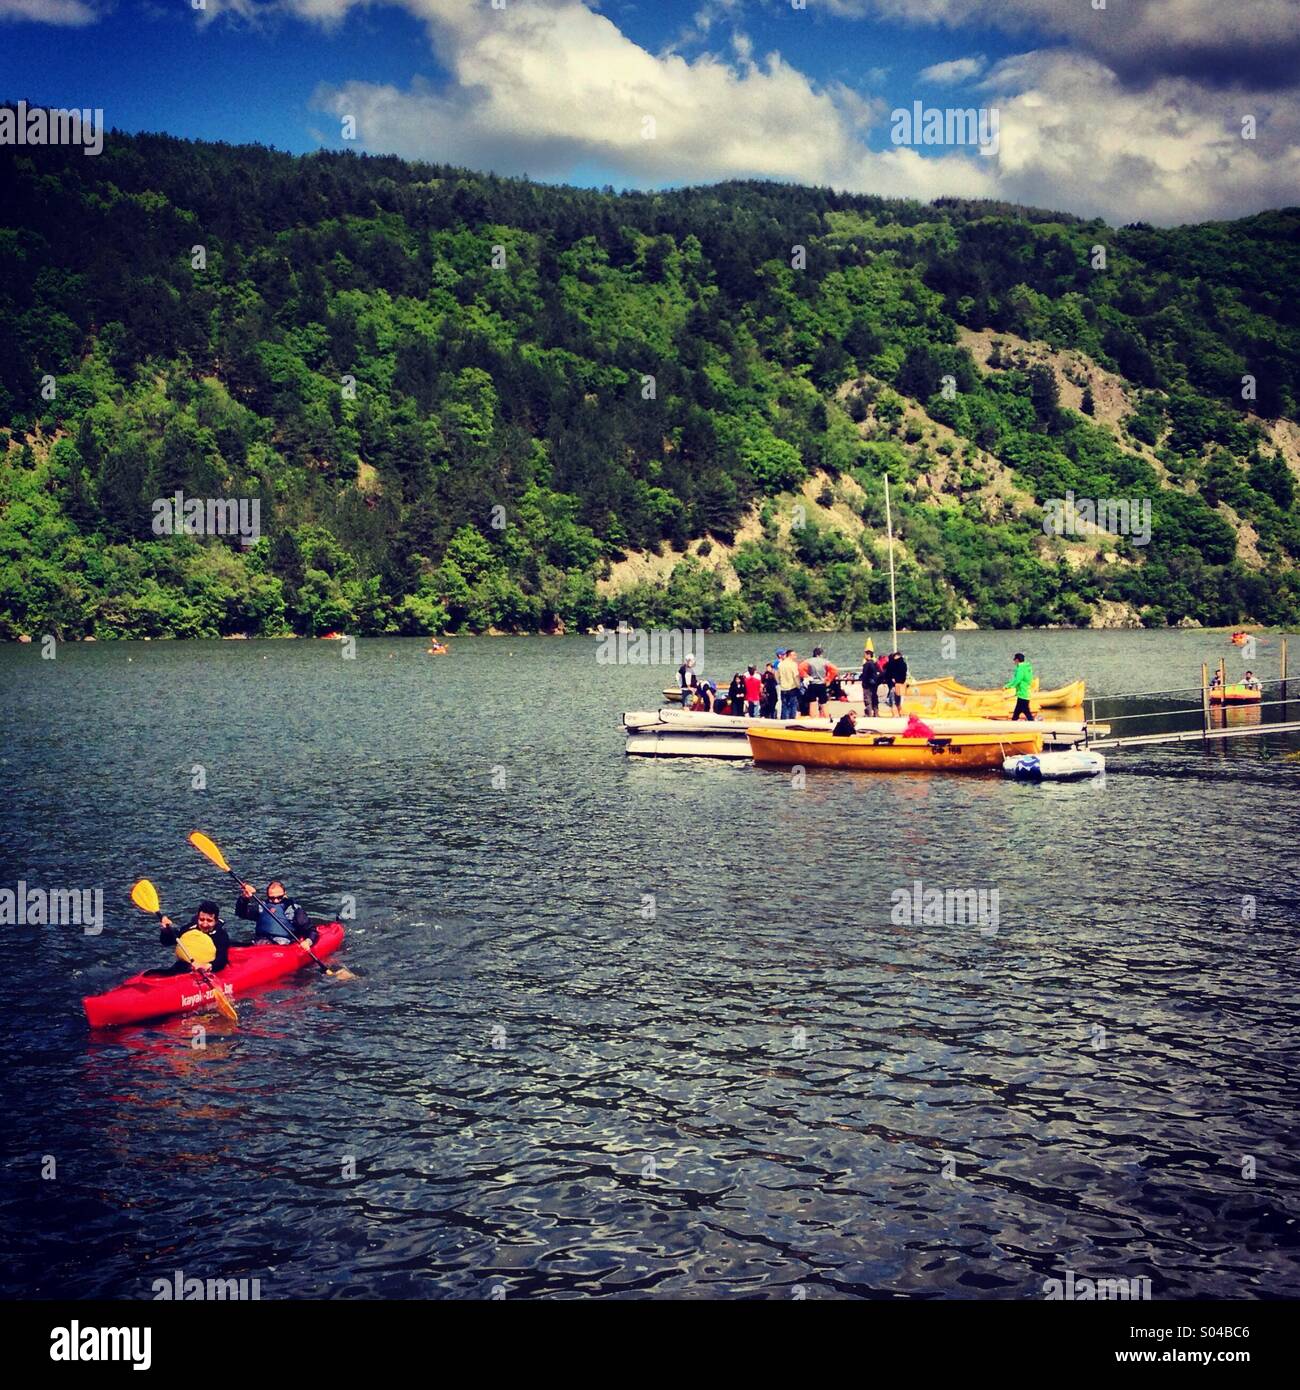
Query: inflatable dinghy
[1069,765]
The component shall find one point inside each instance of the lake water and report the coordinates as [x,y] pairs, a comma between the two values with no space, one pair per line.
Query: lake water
[644,1028]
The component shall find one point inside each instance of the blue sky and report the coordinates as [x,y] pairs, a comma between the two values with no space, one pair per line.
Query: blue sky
[156,67]
[1121,113]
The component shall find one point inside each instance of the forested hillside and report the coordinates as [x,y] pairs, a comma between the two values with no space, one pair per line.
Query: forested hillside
[468,403]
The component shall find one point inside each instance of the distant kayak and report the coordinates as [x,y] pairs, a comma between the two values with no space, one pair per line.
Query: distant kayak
[144,996]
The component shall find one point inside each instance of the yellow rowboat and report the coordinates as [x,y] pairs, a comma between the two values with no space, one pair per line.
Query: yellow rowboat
[941,692]
[994,709]
[946,690]
[889,753]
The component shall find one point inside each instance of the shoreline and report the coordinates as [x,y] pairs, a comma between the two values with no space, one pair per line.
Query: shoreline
[828,633]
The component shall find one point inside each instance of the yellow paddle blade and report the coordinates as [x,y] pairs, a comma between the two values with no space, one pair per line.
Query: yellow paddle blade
[196,947]
[224,1006]
[209,851]
[145,896]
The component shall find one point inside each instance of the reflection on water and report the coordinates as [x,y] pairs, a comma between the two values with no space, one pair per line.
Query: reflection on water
[644,1028]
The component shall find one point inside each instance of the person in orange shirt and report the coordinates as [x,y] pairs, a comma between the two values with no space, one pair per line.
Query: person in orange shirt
[834,690]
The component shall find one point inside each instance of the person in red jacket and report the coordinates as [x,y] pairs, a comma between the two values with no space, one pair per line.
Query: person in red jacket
[753,692]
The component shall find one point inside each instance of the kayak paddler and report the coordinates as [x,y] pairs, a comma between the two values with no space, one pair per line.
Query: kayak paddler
[1021,682]
[207,920]
[278,919]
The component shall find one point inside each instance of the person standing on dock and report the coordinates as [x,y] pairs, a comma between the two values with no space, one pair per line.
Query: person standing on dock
[787,682]
[869,677]
[895,675]
[1021,682]
[817,675]
[803,686]
[686,679]
[753,692]
[767,706]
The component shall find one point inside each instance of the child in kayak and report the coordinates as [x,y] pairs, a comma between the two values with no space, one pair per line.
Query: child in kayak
[278,919]
[206,919]
[1022,682]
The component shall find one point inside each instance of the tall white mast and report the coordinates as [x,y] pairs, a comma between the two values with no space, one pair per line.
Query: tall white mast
[893,606]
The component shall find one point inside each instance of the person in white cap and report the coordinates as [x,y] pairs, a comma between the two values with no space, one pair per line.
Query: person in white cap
[687,680]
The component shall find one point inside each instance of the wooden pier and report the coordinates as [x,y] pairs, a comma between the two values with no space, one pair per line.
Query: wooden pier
[1207,732]
[1193,735]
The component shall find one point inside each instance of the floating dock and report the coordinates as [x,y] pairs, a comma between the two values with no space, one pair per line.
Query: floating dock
[1194,735]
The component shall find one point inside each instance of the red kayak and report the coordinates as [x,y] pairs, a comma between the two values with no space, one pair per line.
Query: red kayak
[156,996]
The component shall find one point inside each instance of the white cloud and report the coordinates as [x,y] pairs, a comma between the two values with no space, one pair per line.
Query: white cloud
[954,71]
[702,22]
[554,89]
[1072,135]
[67,13]
[547,87]
[1220,42]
